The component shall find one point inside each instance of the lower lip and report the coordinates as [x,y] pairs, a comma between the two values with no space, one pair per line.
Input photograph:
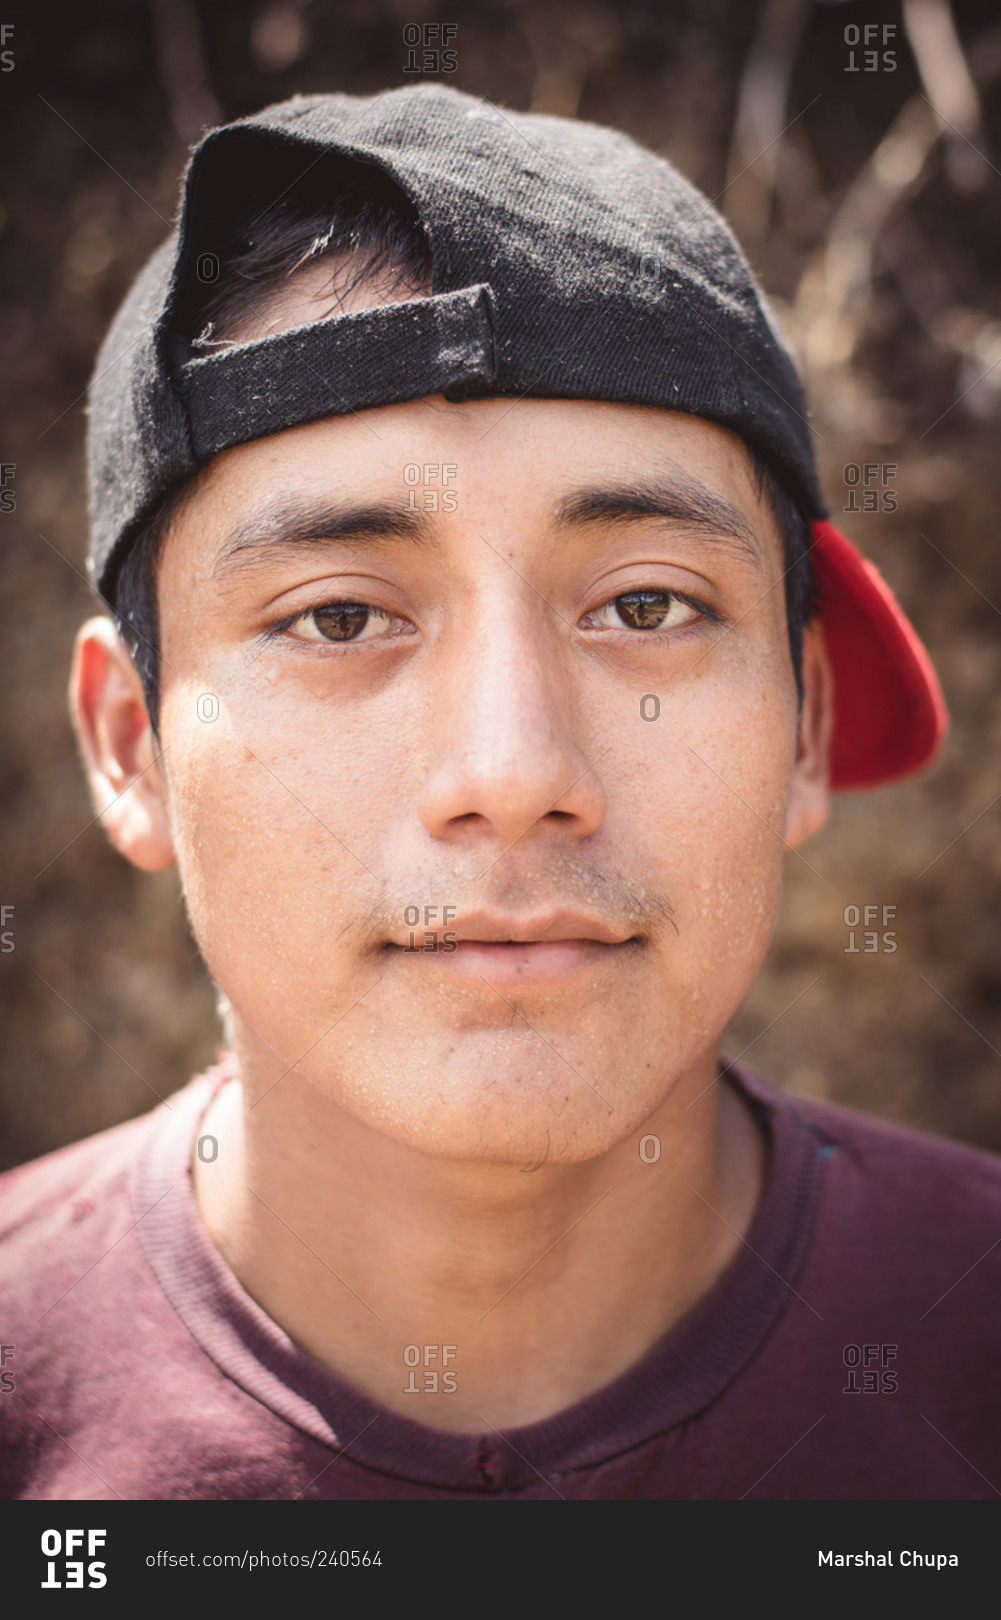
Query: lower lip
[521,963]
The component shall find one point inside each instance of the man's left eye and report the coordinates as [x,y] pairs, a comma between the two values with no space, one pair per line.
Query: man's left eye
[645,610]
[341,621]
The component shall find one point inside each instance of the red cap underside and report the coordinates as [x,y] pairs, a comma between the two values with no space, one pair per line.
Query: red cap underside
[890,716]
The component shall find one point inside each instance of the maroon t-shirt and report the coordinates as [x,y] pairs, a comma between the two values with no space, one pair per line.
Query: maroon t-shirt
[851,1350]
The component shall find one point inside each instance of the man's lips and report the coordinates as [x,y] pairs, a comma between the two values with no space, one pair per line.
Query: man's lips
[515,951]
[522,962]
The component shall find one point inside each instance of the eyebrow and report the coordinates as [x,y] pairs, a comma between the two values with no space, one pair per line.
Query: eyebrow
[297,523]
[684,501]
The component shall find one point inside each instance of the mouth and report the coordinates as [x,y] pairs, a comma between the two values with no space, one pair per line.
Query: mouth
[512,952]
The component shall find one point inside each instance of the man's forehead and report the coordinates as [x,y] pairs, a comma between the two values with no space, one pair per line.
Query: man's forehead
[565,444]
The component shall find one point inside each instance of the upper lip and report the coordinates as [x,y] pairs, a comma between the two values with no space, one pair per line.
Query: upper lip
[492,928]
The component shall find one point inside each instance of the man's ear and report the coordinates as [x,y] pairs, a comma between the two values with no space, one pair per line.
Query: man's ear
[806,811]
[119,749]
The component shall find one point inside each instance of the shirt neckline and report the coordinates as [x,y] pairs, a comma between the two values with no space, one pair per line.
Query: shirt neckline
[676,1379]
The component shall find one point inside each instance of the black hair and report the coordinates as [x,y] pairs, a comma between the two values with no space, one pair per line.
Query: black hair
[794,524]
[373,234]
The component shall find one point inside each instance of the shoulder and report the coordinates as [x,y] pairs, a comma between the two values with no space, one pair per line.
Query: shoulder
[33,1192]
[83,1314]
[883,1150]
[52,1205]
[898,1204]
[904,1158]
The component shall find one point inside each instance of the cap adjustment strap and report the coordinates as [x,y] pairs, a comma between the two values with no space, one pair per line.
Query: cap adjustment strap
[345,363]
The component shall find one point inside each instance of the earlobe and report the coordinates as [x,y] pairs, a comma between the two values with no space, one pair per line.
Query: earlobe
[808,802]
[120,752]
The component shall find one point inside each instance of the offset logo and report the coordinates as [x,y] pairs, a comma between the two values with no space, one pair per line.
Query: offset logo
[65,1566]
[872,36]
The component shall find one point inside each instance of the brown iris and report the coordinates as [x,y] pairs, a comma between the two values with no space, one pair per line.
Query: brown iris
[643,610]
[341,621]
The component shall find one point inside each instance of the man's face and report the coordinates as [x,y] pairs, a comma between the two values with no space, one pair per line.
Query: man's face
[549,735]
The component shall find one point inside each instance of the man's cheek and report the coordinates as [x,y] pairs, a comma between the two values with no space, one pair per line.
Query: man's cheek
[733,890]
[717,822]
[267,885]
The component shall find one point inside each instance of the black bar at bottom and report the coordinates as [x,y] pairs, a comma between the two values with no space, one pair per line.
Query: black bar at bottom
[538,1556]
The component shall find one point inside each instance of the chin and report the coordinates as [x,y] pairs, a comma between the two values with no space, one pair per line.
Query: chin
[523,1140]
[515,1109]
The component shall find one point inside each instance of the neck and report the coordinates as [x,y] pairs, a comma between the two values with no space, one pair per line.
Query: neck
[466,1294]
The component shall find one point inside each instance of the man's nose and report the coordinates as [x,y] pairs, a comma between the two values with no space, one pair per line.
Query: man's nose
[509,751]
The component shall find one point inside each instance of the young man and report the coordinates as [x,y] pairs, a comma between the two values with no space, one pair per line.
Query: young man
[481,650]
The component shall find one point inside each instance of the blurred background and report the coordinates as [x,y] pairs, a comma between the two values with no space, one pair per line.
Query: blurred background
[854,148]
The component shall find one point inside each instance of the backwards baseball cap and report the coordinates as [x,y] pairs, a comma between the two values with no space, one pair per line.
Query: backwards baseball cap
[566,262]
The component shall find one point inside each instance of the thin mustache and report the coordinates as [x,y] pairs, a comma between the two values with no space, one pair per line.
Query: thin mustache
[628,912]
